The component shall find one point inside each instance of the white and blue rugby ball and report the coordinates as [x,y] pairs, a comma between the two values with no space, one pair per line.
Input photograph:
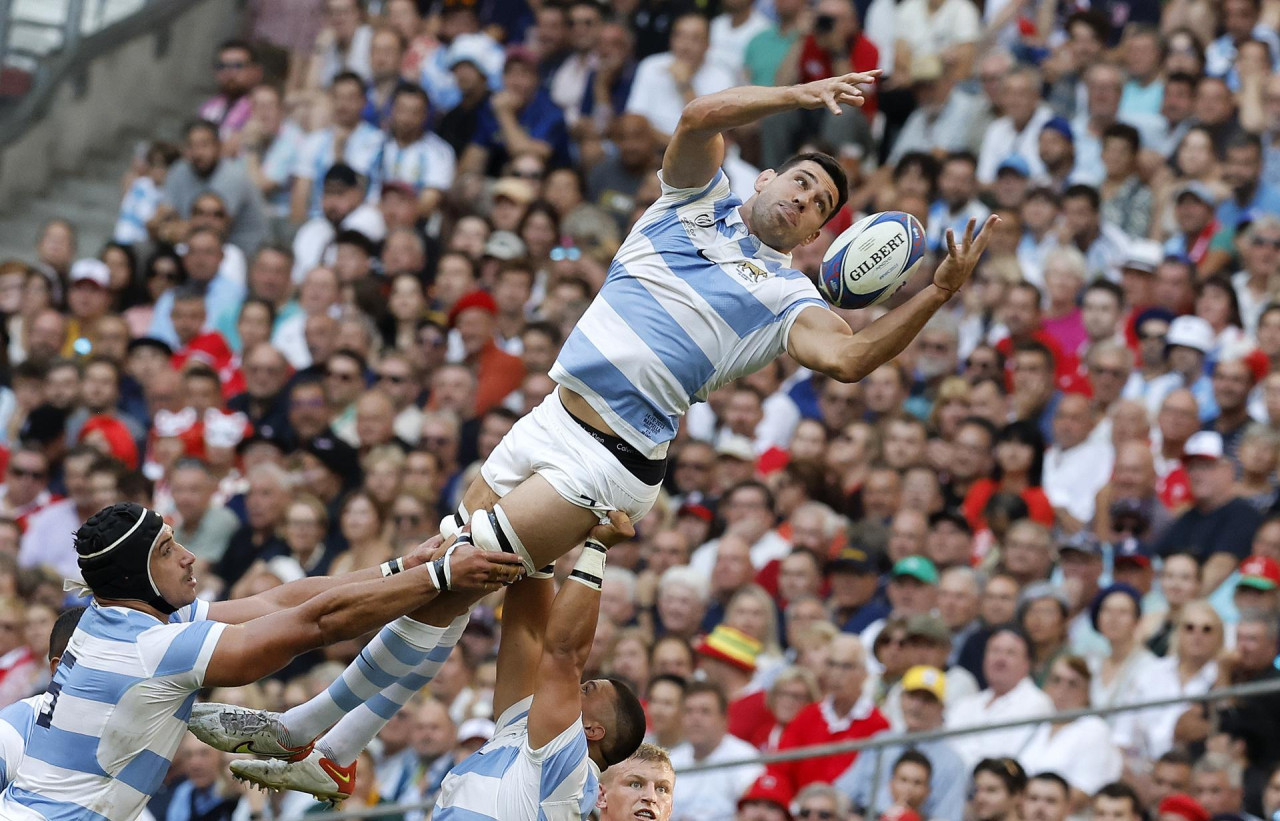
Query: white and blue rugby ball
[872,259]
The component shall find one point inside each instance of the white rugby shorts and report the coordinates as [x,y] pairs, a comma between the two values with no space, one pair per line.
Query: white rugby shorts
[551,443]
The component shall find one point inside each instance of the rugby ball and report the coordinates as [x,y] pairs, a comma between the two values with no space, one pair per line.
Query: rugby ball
[872,259]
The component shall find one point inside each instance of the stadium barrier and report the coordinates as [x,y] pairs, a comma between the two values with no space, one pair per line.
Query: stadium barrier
[1257,688]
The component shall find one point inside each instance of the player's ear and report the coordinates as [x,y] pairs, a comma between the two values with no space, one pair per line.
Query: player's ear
[53,665]
[766,176]
[594,730]
[602,800]
[812,237]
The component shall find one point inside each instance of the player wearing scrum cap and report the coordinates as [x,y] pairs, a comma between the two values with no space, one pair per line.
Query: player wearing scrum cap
[107,728]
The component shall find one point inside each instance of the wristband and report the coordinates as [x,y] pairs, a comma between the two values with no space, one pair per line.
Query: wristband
[589,569]
[392,567]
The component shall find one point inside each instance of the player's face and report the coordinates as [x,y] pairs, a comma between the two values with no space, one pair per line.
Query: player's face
[598,700]
[789,208]
[639,786]
[173,571]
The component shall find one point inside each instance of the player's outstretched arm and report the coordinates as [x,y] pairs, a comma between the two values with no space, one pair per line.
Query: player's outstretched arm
[526,609]
[566,645]
[822,341]
[696,150]
[239,611]
[249,651]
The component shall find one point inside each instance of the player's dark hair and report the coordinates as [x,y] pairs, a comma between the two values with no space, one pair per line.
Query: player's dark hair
[628,725]
[63,627]
[828,164]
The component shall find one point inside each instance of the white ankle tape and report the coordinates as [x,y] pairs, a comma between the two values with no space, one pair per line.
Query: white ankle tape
[589,569]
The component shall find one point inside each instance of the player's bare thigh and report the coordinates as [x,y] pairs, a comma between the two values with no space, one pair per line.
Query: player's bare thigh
[547,525]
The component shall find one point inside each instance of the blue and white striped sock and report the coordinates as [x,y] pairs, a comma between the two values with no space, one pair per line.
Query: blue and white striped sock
[359,727]
[395,652]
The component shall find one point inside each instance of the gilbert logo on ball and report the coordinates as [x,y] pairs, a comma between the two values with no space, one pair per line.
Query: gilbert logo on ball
[871,260]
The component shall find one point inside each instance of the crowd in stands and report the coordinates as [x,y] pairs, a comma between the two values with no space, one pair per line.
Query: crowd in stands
[322,310]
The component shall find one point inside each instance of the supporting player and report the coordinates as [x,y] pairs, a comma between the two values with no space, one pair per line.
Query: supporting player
[555,734]
[643,786]
[699,294]
[109,724]
[18,718]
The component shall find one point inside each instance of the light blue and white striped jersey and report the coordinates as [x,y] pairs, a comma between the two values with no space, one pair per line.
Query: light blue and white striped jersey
[506,780]
[16,722]
[316,157]
[104,734]
[427,163]
[692,301]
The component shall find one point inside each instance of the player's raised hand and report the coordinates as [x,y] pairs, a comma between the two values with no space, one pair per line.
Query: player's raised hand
[834,92]
[617,531]
[474,568]
[956,269]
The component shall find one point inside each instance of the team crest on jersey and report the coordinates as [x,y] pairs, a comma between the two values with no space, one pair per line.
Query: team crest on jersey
[751,272]
[703,220]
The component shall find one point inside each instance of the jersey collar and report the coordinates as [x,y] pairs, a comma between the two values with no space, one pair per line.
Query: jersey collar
[761,251]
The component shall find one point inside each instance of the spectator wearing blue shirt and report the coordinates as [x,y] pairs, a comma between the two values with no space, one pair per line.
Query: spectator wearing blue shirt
[609,83]
[1239,23]
[520,119]
[1242,169]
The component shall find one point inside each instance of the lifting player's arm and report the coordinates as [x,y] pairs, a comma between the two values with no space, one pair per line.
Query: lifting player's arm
[822,341]
[566,644]
[696,149]
[247,652]
[239,611]
[526,609]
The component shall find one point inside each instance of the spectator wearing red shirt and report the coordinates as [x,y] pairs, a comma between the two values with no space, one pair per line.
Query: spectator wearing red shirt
[18,668]
[842,715]
[498,373]
[1019,462]
[727,657]
[188,317]
[836,46]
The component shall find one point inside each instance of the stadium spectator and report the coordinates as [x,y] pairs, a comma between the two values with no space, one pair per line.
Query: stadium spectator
[714,795]
[1010,693]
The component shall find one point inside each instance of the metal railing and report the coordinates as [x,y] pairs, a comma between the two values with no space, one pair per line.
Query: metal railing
[54,40]
[1257,688]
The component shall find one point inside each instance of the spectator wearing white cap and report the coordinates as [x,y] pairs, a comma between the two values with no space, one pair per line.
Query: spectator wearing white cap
[1186,346]
[88,299]
[475,62]
[1218,527]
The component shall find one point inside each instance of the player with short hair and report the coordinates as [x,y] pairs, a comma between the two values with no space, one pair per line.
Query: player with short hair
[699,294]
[106,730]
[645,781]
[18,718]
[555,734]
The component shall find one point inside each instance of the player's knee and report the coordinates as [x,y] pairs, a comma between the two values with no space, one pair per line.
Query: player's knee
[492,530]
[452,524]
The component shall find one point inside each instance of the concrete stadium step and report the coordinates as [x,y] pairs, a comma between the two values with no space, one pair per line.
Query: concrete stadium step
[90,196]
